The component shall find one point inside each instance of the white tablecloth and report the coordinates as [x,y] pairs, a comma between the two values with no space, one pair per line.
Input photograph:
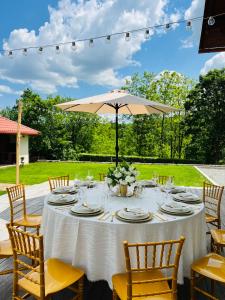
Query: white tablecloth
[97,246]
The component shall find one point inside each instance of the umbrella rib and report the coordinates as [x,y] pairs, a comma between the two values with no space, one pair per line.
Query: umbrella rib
[71,107]
[99,108]
[157,109]
[129,109]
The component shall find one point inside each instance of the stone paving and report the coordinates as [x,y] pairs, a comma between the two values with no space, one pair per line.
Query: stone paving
[215,173]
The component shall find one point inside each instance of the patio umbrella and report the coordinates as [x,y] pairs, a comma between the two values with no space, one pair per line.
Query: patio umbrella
[118,102]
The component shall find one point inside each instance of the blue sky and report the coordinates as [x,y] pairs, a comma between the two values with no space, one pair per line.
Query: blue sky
[95,70]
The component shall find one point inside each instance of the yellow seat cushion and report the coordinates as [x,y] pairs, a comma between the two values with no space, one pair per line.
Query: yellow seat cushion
[209,218]
[212,266]
[218,236]
[58,276]
[5,249]
[29,221]
[120,285]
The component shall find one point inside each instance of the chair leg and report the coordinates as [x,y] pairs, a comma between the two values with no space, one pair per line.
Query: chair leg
[115,297]
[212,287]
[81,288]
[192,284]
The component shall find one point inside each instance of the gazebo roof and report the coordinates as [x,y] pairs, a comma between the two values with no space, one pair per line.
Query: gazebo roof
[10,127]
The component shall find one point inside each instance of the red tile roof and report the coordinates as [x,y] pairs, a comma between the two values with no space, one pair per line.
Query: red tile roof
[10,127]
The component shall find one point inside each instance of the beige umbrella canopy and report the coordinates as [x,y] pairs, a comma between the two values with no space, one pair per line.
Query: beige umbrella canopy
[118,102]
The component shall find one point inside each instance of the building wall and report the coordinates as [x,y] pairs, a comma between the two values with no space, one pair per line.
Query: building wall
[24,148]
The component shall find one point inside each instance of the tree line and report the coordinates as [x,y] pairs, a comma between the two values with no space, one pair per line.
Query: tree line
[196,131]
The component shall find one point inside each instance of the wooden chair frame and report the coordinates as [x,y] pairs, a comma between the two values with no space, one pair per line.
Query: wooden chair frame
[5,256]
[17,201]
[58,181]
[29,245]
[162,179]
[162,264]
[212,195]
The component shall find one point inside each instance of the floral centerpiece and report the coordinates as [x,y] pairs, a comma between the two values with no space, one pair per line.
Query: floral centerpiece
[123,175]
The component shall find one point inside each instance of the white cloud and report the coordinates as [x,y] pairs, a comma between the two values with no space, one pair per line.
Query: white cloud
[215,62]
[4,89]
[77,20]
[196,9]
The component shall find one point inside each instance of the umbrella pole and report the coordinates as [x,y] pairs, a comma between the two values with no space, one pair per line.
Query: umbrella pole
[117,135]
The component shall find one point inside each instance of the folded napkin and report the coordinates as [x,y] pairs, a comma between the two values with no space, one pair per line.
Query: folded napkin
[81,208]
[176,190]
[188,196]
[60,198]
[133,213]
[176,207]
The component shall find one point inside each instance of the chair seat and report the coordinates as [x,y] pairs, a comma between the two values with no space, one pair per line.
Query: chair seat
[5,249]
[29,221]
[209,218]
[218,236]
[212,266]
[120,285]
[58,276]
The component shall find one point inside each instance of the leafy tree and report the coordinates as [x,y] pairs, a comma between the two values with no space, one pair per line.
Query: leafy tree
[205,118]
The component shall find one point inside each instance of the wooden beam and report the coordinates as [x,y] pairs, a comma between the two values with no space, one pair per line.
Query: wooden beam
[18,142]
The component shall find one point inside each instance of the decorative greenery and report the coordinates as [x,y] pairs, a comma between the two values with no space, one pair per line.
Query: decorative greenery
[124,174]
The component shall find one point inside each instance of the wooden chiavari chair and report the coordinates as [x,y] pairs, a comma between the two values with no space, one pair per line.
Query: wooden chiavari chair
[217,240]
[59,181]
[48,278]
[212,195]
[5,252]
[102,176]
[211,266]
[163,179]
[145,263]
[18,213]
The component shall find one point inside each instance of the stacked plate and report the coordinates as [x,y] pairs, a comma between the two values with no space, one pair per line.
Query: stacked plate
[86,210]
[174,190]
[187,198]
[65,190]
[148,183]
[133,215]
[178,209]
[61,199]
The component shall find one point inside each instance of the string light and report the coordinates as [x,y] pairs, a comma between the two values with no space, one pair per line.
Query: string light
[210,20]
[108,39]
[127,36]
[40,50]
[73,46]
[188,25]
[57,49]
[25,51]
[147,34]
[91,43]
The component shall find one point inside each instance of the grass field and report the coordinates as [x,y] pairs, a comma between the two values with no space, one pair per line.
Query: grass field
[39,172]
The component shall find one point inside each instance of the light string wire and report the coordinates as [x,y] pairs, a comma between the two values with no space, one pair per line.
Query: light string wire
[108,36]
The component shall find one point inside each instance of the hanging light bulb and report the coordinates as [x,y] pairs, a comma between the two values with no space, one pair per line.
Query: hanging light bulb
[211,21]
[127,36]
[40,50]
[73,46]
[167,26]
[57,49]
[108,39]
[25,51]
[147,34]
[91,43]
[188,25]
[10,54]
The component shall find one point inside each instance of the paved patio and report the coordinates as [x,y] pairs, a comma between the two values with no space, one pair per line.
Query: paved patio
[215,173]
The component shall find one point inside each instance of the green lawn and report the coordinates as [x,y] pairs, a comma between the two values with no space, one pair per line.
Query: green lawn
[39,172]
[2,193]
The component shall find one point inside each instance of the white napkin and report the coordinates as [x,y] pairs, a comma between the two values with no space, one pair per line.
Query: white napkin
[188,196]
[133,213]
[175,207]
[81,208]
[62,198]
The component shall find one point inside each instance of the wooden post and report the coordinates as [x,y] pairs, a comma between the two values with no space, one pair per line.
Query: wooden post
[18,142]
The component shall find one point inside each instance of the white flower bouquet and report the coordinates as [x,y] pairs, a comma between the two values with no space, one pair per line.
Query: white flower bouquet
[124,174]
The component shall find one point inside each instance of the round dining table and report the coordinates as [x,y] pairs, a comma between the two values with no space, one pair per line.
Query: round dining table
[96,245]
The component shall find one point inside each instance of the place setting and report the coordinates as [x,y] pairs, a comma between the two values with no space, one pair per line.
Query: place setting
[133,215]
[86,209]
[65,190]
[187,197]
[61,199]
[176,209]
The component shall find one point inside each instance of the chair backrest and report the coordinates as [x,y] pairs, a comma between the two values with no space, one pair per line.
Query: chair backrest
[102,176]
[27,245]
[162,179]
[58,181]
[17,201]
[212,195]
[164,255]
